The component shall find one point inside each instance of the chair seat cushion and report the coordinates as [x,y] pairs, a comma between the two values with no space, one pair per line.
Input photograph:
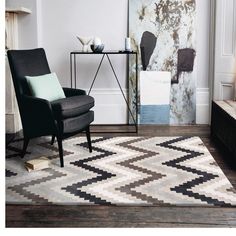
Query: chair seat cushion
[72,106]
[76,124]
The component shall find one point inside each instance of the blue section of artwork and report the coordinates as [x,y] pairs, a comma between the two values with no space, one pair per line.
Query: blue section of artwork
[155,114]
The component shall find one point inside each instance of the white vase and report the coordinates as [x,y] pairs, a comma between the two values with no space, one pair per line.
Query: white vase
[85,41]
[97,41]
[85,48]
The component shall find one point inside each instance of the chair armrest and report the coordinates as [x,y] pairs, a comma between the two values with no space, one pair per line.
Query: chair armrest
[70,92]
[38,105]
[37,116]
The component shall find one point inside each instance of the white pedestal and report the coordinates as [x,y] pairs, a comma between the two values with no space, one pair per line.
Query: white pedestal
[155,97]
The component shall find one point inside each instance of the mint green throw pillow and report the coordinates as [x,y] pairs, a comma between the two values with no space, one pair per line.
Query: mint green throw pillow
[46,87]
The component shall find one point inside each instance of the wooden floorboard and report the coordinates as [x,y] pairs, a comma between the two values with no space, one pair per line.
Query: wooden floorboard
[100,216]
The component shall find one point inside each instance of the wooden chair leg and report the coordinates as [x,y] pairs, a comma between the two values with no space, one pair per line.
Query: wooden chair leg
[89,139]
[59,141]
[53,139]
[25,145]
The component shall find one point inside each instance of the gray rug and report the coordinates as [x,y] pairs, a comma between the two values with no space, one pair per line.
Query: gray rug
[175,171]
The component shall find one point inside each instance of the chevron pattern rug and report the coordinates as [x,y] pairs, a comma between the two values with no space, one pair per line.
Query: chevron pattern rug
[175,171]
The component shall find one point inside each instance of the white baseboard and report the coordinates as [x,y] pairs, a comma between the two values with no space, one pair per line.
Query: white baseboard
[202,106]
[110,106]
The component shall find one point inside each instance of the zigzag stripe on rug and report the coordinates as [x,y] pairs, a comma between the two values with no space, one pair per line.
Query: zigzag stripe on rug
[177,171]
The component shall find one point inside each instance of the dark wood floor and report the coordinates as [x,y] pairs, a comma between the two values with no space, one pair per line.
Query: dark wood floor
[100,216]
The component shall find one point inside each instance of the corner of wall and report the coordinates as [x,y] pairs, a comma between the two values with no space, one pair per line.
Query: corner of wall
[203,62]
[39,23]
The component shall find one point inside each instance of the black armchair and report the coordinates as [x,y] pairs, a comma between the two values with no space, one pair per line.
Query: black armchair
[61,118]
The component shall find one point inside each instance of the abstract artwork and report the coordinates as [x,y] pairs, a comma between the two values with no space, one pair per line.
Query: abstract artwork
[172,24]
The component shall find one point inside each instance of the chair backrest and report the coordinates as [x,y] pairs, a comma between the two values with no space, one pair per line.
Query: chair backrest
[32,62]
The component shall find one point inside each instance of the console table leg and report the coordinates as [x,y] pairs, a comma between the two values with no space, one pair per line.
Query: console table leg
[120,88]
[96,74]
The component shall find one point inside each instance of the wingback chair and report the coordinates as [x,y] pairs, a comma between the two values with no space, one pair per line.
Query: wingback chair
[61,118]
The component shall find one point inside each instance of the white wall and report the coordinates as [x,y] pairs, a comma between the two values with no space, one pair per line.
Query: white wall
[54,25]
[203,61]
[225,50]
[104,18]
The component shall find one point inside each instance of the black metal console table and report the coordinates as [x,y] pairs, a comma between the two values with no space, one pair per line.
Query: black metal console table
[73,75]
